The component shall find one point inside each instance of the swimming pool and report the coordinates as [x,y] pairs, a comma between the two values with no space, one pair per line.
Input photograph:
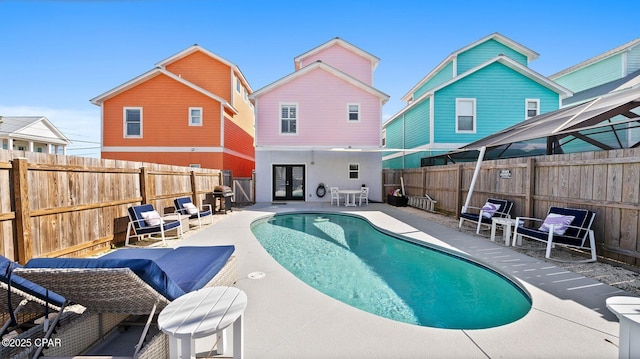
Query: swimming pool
[347,258]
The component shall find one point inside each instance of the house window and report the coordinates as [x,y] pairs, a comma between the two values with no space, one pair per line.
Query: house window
[39,149]
[354,171]
[132,122]
[466,115]
[288,118]
[245,93]
[195,116]
[533,108]
[22,148]
[354,112]
[194,165]
[237,85]
[384,137]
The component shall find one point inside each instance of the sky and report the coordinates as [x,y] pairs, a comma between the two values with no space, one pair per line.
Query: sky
[57,55]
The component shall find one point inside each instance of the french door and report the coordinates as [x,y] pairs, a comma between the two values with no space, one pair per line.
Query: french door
[288,182]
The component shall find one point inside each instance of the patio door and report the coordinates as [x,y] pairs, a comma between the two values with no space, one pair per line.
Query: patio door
[288,182]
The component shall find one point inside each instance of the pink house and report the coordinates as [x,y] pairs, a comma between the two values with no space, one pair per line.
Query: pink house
[320,125]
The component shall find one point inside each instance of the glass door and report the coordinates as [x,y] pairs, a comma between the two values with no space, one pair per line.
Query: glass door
[288,182]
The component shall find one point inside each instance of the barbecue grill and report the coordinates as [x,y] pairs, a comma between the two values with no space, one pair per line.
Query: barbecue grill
[223,196]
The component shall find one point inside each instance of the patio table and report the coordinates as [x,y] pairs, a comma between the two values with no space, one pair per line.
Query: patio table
[203,313]
[627,309]
[349,196]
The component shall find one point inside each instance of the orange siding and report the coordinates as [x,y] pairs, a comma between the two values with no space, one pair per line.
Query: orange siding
[206,72]
[205,160]
[165,116]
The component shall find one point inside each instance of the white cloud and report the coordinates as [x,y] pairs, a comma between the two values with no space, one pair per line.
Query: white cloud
[81,126]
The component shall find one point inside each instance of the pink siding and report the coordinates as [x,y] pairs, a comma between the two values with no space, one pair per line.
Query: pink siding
[344,60]
[322,100]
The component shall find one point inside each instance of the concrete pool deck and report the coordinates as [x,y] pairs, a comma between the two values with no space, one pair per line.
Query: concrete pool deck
[285,318]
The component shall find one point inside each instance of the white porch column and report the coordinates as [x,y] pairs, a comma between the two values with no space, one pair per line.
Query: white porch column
[49,147]
[31,146]
[10,144]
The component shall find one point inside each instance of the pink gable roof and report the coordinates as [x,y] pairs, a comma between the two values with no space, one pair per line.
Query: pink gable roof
[343,56]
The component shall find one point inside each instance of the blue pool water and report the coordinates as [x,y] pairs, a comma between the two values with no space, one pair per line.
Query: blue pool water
[347,258]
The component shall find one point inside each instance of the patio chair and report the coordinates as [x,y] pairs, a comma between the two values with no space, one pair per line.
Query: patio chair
[185,207]
[482,216]
[134,281]
[335,194]
[145,221]
[567,227]
[364,194]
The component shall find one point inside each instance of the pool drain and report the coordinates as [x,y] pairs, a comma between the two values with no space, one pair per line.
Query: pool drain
[256,275]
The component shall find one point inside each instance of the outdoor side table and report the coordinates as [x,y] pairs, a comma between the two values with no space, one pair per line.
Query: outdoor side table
[627,309]
[203,313]
[506,224]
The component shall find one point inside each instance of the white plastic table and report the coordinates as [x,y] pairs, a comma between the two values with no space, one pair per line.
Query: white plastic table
[627,309]
[349,196]
[506,224]
[201,314]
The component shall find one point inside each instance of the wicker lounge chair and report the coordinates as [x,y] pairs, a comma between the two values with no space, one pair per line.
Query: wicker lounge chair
[22,301]
[136,281]
[482,216]
[145,221]
[185,207]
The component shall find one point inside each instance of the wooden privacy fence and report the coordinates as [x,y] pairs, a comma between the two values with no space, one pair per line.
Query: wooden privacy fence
[52,205]
[606,182]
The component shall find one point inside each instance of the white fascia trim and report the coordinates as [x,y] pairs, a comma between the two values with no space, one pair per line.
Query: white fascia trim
[159,149]
[336,148]
[407,108]
[428,77]
[328,68]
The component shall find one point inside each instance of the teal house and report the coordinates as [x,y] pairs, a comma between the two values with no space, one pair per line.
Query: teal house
[614,70]
[474,92]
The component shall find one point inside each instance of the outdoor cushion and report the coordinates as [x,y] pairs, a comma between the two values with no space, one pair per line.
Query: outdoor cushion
[559,222]
[489,209]
[171,272]
[190,207]
[152,218]
[189,267]
[26,285]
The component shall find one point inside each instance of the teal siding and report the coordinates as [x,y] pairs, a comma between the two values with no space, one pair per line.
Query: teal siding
[595,74]
[633,59]
[394,163]
[441,77]
[416,124]
[500,95]
[484,52]
[394,134]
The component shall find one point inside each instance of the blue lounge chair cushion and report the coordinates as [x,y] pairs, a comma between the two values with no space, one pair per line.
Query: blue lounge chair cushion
[171,272]
[26,285]
[189,267]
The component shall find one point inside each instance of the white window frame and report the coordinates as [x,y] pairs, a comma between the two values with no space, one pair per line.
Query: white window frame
[124,122]
[349,112]
[297,119]
[356,171]
[238,85]
[384,137]
[526,107]
[474,120]
[191,117]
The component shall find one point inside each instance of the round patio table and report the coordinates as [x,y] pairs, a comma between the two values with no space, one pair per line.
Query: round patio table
[203,313]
